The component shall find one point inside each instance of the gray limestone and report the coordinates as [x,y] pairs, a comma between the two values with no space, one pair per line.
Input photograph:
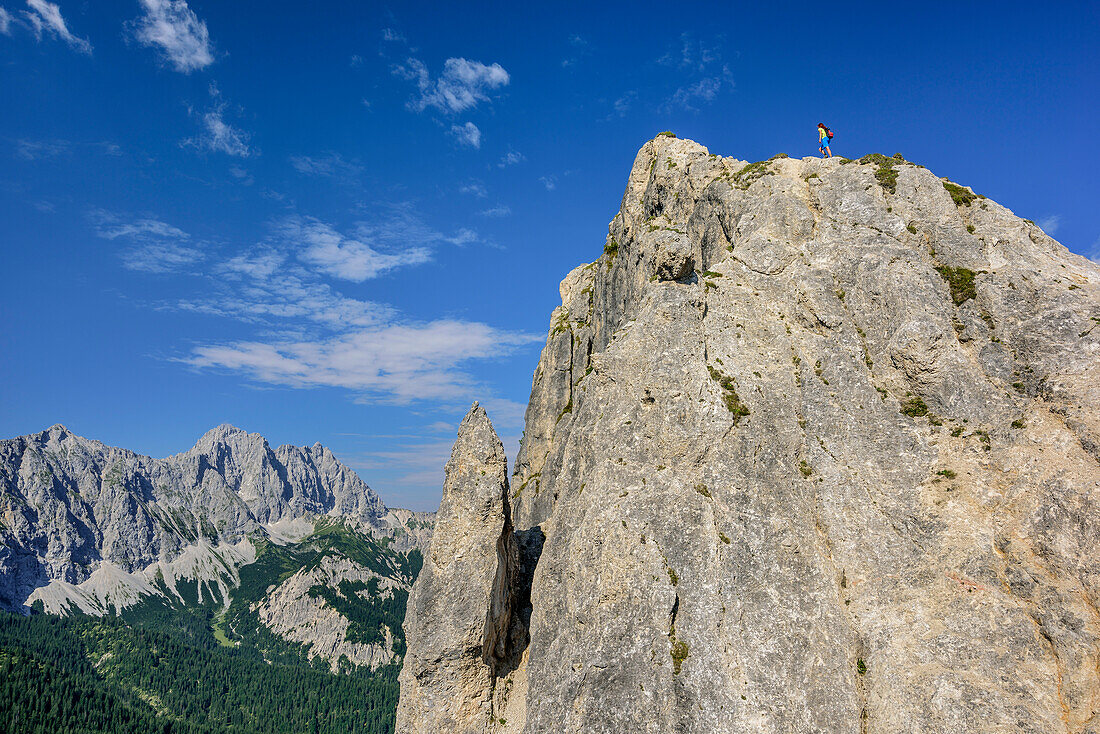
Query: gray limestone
[459,614]
[794,472]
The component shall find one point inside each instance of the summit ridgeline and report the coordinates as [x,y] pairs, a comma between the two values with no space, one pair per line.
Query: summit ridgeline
[813,446]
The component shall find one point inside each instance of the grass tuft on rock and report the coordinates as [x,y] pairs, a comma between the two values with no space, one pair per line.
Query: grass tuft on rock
[914,407]
[751,172]
[960,281]
[885,174]
[961,195]
[679,653]
[729,395]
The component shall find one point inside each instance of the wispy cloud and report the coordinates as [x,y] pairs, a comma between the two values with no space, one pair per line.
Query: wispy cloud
[5,22]
[265,287]
[496,211]
[461,86]
[397,362]
[692,54]
[578,50]
[343,257]
[152,246]
[474,188]
[700,63]
[704,90]
[33,150]
[467,134]
[174,29]
[218,135]
[45,19]
[397,225]
[550,182]
[1050,224]
[391,35]
[506,414]
[241,175]
[306,333]
[511,158]
[330,164]
[623,104]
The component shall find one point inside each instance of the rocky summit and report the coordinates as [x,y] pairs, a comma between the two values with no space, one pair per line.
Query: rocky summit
[813,446]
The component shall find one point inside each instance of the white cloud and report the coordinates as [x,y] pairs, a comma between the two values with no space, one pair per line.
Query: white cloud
[153,246]
[474,189]
[160,257]
[306,333]
[174,28]
[704,90]
[5,22]
[47,19]
[550,182]
[462,237]
[496,211]
[467,134]
[111,227]
[218,135]
[263,286]
[223,137]
[461,85]
[389,34]
[331,164]
[396,362]
[1050,224]
[510,159]
[344,257]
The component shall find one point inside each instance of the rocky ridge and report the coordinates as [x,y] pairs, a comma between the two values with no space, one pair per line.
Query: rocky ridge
[813,446]
[91,528]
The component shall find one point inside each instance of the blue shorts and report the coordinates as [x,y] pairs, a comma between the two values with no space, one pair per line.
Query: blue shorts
[824,143]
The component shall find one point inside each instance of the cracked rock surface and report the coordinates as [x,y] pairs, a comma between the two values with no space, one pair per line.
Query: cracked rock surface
[839,474]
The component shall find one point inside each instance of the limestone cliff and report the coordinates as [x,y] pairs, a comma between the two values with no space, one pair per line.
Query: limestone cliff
[814,447]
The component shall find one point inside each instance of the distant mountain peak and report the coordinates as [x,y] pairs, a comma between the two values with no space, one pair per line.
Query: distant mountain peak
[91,504]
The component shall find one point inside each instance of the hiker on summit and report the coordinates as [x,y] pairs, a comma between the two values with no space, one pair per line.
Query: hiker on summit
[825,135]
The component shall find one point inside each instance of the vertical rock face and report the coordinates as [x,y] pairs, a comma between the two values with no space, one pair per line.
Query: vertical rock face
[459,618]
[814,448]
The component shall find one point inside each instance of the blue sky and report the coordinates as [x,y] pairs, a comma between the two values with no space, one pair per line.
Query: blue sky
[342,222]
